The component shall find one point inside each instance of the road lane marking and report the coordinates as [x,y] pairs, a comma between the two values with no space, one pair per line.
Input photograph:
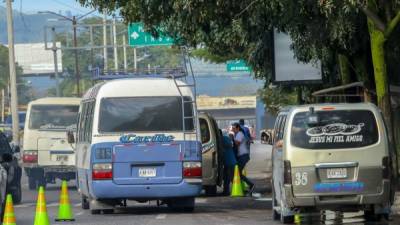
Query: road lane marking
[264,199]
[77,204]
[161,216]
[80,213]
[26,205]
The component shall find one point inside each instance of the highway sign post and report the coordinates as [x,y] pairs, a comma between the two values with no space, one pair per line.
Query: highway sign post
[138,37]
[237,66]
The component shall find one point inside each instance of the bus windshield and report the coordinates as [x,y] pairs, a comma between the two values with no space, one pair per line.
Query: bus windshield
[144,114]
[53,116]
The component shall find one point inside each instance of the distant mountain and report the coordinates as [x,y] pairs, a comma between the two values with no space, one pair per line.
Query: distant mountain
[28,28]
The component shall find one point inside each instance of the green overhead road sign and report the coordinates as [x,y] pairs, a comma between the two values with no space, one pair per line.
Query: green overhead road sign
[138,37]
[237,66]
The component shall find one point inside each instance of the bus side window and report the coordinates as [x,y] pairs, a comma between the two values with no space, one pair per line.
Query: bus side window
[90,120]
[282,128]
[205,131]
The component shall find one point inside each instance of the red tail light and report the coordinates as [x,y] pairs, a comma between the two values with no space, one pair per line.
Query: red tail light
[30,157]
[102,171]
[192,170]
[287,172]
[386,167]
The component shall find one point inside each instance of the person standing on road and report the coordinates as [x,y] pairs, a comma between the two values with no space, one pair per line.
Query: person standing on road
[246,132]
[243,154]
[229,162]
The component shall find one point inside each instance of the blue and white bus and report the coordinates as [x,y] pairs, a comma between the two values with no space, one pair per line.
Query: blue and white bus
[137,139]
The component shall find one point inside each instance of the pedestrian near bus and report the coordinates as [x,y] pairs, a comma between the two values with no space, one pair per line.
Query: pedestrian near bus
[243,154]
[229,162]
[246,132]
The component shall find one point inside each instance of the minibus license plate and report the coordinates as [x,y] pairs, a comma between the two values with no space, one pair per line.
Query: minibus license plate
[147,172]
[337,173]
[63,158]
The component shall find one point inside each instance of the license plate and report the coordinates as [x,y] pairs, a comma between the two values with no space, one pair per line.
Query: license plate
[61,158]
[336,173]
[147,172]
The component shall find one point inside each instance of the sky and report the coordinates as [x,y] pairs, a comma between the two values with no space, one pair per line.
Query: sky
[33,6]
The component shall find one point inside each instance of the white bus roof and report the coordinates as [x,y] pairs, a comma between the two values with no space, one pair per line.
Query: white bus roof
[137,87]
[56,101]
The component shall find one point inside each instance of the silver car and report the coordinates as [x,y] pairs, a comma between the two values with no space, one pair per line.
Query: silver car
[334,157]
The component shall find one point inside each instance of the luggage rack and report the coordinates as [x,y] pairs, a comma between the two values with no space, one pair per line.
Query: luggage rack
[98,74]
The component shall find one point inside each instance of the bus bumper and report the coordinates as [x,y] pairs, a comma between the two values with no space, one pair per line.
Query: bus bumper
[110,190]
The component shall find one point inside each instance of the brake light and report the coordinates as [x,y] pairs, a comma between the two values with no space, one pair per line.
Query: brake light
[287,172]
[102,171]
[386,167]
[192,170]
[328,108]
[30,157]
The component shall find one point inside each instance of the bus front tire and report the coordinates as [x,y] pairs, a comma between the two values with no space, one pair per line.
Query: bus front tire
[32,183]
[85,202]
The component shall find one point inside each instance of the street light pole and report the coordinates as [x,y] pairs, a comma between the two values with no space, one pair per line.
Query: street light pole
[115,45]
[54,49]
[105,41]
[13,74]
[77,75]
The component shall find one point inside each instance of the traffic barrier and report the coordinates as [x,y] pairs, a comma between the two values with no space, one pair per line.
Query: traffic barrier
[41,217]
[9,216]
[236,184]
[64,209]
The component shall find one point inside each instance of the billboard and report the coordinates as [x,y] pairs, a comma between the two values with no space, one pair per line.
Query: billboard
[286,67]
[35,60]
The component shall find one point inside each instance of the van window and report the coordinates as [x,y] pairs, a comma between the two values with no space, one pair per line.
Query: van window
[336,129]
[53,116]
[144,114]
[205,131]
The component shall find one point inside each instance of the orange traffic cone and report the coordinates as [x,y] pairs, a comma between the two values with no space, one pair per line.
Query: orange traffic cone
[41,217]
[9,217]
[64,210]
[236,184]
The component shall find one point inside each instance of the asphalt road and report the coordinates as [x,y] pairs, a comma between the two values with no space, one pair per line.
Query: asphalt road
[255,210]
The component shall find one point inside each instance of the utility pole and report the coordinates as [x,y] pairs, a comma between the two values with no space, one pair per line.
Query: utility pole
[78,91]
[115,44]
[105,41]
[54,49]
[13,74]
[134,59]
[125,55]
[3,105]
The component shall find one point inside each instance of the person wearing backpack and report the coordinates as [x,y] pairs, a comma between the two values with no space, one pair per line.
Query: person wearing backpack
[247,133]
[243,154]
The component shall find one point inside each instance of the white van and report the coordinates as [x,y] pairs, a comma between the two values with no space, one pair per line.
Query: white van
[138,140]
[46,153]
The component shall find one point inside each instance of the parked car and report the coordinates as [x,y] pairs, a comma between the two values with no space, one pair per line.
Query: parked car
[332,157]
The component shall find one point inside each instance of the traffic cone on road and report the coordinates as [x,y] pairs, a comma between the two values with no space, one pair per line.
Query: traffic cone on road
[236,184]
[41,217]
[9,217]
[64,210]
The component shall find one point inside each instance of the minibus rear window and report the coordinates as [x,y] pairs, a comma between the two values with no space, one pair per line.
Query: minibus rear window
[335,129]
[144,114]
[53,117]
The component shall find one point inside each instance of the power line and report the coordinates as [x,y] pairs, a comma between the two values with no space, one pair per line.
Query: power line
[69,6]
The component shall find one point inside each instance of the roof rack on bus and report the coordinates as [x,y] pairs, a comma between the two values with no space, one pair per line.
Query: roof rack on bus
[176,73]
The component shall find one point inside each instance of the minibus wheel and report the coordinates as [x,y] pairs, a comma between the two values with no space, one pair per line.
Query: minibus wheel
[182,204]
[210,190]
[32,183]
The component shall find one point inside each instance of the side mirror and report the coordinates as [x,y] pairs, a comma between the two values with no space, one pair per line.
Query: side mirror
[16,149]
[70,137]
[6,157]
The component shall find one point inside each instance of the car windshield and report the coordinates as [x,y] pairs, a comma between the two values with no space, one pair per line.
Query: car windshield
[136,114]
[335,129]
[53,116]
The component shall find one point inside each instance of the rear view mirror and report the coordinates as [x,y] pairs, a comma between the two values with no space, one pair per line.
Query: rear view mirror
[6,157]
[70,137]
[313,118]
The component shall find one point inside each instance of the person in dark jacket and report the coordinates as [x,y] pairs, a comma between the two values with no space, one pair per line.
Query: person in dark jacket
[229,162]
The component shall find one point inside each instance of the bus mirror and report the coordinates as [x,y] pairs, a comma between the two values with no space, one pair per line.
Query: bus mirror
[70,137]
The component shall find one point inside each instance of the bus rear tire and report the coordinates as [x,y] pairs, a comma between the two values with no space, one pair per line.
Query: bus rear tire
[182,204]
[85,202]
